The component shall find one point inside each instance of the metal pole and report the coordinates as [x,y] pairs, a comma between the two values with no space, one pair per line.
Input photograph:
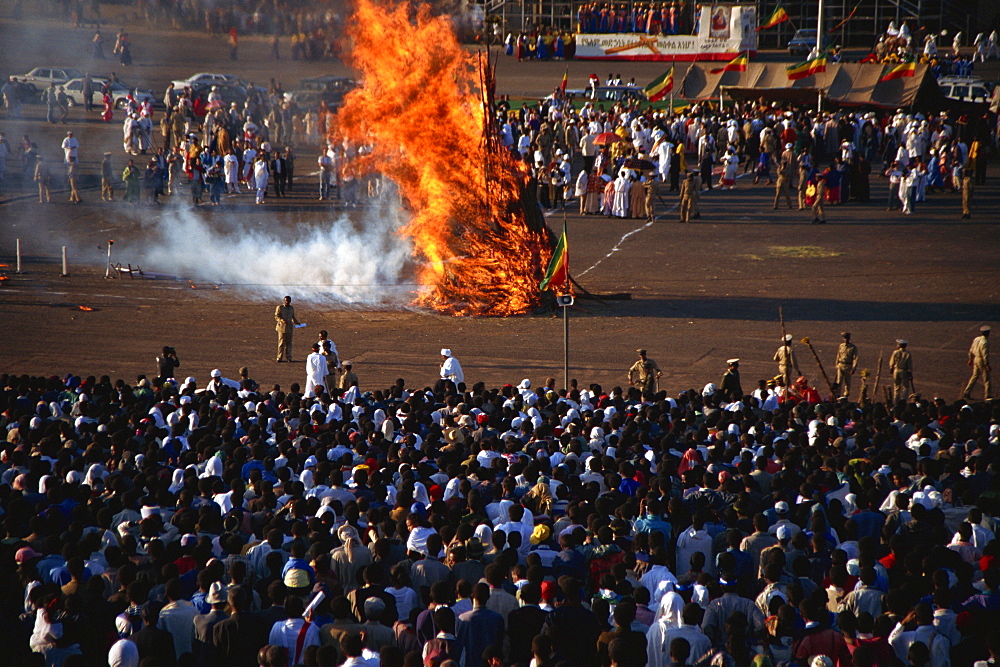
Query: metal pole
[566,346]
[819,50]
[65,268]
[819,29]
[107,270]
[18,251]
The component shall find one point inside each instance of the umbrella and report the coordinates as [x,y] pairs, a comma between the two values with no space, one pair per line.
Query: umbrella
[638,163]
[607,138]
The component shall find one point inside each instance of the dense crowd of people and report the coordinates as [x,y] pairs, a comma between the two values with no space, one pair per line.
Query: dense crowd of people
[167,522]
[615,159]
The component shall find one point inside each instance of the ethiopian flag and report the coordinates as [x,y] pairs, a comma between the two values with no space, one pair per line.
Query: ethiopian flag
[779,16]
[807,68]
[660,86]
[558,271]
[899,71]
[737,64]
[564,82]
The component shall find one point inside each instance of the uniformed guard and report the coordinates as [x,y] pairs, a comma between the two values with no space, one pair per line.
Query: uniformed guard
[847,363]
[785,356]
[979,359]
[644,373]
[820,215]
[901,365]
[782,187]
[730,386]
[652,191]
[687,197]
[284,324]
[967,172]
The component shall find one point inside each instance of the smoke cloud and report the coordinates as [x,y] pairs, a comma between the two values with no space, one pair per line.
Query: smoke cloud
[351,263]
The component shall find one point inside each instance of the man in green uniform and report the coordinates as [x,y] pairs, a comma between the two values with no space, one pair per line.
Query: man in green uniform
[901,365]
[284,324]
[847,363]
[131,177]
[644,373]
[979,359]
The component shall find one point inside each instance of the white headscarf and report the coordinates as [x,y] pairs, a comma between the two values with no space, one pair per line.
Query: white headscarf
[349,536]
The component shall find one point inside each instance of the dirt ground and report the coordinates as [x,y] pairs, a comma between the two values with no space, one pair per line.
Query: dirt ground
[700,293]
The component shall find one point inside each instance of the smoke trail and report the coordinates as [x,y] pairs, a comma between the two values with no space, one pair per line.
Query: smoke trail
[339,261]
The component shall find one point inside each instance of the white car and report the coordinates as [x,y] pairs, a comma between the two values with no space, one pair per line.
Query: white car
[119,92]
[40,77]
[965,89]
[207,78]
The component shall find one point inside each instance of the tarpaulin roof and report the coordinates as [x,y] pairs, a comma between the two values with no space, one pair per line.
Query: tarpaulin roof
[843,84]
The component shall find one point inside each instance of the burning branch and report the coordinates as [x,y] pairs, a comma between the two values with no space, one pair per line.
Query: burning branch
[425,111]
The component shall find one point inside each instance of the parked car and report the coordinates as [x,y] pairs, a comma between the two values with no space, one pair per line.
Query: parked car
[804,41]
[965,89]
[40,77]
[119,92]
[208,78]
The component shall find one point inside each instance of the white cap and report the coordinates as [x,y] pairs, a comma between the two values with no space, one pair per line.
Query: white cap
[784,533]
[216,373]
[445,351]
[185,400]
[788,338]
[781,507]
[735,360]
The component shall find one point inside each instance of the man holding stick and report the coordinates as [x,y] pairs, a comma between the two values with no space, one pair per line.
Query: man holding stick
[785,356]
[847,364]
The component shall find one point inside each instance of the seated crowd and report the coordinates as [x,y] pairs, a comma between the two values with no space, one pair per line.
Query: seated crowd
[167,523]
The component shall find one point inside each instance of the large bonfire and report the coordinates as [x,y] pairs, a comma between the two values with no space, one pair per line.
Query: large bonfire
[423,114]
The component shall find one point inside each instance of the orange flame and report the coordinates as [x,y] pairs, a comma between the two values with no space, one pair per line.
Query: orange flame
[85,309]
[480,243]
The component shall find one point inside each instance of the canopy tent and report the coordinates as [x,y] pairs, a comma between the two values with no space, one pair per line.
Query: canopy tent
[842,85]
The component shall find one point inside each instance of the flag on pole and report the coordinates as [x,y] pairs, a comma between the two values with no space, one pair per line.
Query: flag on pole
[807,68]
[849,17]
[558,272]
[779,16]
[565,80]
[737,64]
[661,86]
[900,71]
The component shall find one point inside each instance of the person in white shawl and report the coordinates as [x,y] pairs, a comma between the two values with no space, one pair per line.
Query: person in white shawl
[623,185]
[260,176]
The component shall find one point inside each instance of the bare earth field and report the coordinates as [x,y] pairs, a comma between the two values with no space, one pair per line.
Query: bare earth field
[701,292]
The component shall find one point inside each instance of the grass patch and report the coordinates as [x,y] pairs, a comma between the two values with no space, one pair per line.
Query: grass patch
[802,252]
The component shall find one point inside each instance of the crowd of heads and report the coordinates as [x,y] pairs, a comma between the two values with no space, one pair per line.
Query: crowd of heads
[630,523]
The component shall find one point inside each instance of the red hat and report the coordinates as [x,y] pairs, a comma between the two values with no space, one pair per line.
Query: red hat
[24,554]
[482,419]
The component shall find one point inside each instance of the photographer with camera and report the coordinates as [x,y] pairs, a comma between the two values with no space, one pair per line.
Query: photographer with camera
[167,362]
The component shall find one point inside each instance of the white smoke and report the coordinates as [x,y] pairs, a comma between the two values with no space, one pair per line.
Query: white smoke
[343,262]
